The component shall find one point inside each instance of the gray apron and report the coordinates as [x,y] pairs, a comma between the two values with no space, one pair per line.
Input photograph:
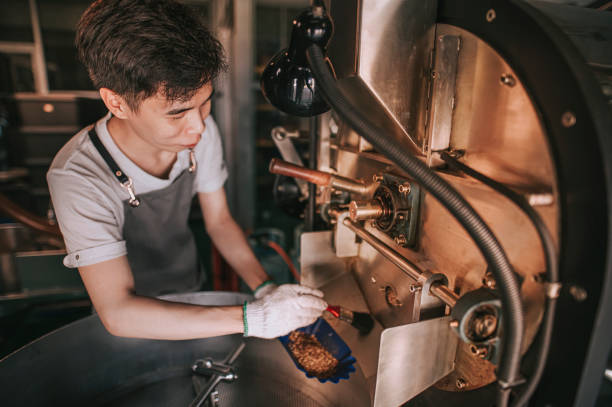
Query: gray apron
[161,249]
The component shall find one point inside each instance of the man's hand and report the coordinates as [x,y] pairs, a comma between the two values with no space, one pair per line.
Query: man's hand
[288,307]
[264,289]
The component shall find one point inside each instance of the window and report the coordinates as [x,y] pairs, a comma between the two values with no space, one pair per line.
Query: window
[16,73]
[58,20]
[15,22]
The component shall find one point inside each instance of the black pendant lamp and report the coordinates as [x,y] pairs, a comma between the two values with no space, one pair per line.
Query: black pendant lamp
[287,82]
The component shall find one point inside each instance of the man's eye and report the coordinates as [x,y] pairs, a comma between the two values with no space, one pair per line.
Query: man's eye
[177,117]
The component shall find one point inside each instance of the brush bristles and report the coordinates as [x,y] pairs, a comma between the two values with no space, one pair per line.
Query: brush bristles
[363,322]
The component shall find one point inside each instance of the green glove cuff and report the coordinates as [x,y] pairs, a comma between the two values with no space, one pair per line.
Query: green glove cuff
[262,285]
[244,319]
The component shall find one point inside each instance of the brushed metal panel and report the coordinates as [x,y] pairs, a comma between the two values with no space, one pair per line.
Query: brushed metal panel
[496,124]
[443,93]
[412,358]
[396,37]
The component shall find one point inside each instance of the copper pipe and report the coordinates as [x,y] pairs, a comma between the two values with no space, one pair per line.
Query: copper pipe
[28,219]
[291,170]
[321,178]
[437,289]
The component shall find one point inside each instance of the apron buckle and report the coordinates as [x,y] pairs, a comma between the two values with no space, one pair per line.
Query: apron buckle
[193,165]
[129,185]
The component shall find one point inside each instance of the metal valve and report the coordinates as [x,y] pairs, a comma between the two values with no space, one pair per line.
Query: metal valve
[365,210]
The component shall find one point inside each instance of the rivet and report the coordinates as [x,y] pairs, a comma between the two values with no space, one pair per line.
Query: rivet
[48,108]
[460,383]
[373,280]
[508,80]
[568,119]
[118,173]
[491,15]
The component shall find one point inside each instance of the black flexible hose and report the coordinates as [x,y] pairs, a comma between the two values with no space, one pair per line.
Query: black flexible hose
[483,237]
[552,270]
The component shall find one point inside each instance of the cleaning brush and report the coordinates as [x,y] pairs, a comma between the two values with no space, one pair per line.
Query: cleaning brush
[360,320]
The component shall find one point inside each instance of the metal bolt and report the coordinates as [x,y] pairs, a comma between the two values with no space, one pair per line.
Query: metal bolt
[508,80]
[404,188]
[489,281]
[454,324]
[414,288]
[434,74]
[491,15]
[377,178]
[401,240]
[460,383]
[578,293]
[568,119]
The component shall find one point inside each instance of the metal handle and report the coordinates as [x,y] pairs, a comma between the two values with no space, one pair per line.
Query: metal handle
[437,288]
[215,379]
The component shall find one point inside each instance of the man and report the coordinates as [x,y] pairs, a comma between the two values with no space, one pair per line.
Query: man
[122,188]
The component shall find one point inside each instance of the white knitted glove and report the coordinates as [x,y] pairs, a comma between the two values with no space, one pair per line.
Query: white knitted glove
[264,289]
[288,307]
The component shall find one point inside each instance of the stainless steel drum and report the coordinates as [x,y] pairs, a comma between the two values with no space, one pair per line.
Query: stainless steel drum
[82,364]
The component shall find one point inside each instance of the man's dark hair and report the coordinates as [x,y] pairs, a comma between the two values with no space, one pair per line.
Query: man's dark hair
[137,48]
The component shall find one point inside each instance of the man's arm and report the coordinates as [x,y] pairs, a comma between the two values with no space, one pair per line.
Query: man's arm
[110,285]
[229,238]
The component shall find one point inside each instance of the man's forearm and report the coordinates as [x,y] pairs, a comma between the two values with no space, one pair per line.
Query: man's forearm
[231,242]
[142,317]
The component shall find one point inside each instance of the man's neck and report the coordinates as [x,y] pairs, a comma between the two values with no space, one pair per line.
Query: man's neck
[149,158]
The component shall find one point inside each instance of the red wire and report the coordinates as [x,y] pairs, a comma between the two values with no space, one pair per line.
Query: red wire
[281,252]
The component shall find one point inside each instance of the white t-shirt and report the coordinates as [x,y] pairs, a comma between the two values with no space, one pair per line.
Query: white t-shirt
[88,199]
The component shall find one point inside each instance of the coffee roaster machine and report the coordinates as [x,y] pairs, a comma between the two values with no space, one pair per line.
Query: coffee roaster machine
[463,176]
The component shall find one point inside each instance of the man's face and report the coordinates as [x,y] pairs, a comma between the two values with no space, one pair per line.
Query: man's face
[172,126]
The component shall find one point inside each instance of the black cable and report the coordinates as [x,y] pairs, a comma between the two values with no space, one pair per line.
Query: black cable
[552,270]
[479,231]
[312,164]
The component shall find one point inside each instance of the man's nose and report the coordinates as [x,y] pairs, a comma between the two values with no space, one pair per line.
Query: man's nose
[196,123]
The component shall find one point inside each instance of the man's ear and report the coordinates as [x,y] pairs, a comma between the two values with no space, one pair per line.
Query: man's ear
[115,103]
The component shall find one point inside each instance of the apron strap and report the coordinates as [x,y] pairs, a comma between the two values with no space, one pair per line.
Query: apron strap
[123,179]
